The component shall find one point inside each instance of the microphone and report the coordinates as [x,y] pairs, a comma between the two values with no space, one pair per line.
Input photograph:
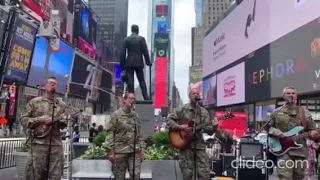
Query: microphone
[290,99]
[197,98]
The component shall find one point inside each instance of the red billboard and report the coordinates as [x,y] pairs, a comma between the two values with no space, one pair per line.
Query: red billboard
[160,82]
[237,125]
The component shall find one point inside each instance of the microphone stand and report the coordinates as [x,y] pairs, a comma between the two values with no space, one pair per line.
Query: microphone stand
[50,141]
[134,150]
[266,147]
[195,174]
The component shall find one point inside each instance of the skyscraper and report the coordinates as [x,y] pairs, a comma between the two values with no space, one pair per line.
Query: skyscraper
[208,12]
[198,11]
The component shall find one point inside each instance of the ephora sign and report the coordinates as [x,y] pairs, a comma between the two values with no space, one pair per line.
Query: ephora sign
[161,40]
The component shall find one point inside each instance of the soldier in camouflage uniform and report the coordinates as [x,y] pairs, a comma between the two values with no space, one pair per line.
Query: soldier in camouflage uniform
[38,112]
[284,119]
[125,133]
[186,157]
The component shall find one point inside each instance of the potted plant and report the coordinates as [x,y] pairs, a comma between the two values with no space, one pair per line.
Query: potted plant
[20,157]
[163,157]
[93,160]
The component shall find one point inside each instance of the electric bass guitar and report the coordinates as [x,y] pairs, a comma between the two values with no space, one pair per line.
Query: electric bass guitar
[280,146]
[181,139]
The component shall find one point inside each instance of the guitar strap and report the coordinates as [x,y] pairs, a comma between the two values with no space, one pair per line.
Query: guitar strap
[302,118]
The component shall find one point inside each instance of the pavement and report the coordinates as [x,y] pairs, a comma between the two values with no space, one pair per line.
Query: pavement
[11,174]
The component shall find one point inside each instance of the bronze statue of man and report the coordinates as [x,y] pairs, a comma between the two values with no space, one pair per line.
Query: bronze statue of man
[131,60]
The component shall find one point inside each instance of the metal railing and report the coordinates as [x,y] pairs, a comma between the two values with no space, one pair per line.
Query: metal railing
[9,145]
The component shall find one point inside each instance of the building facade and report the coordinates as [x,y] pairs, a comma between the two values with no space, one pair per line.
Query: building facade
[112,29]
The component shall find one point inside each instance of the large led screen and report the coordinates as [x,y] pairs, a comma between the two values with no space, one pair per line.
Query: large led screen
[59,64]
[85,29]
[160,82]
[40,9]
[85,77]
[209,87]
[255,23]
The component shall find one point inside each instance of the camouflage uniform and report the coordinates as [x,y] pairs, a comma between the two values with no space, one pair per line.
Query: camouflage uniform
[225,138]
[186,158]
[36,167]
[120,142]
[284,120]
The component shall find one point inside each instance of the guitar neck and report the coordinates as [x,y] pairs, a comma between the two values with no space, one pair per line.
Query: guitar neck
[301,136]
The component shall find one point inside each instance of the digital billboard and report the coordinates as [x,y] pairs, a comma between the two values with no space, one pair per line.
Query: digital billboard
[161,40]
[295,60]
[160,96]
[257,23]
[209,88]
[161,24]
[161,9]
[20,50]
[85,77]
[231,86]
[85,29]
[59,64]
[40,9]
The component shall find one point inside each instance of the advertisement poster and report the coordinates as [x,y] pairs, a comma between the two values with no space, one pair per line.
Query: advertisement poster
[231,86]
[21,48]
[209,91]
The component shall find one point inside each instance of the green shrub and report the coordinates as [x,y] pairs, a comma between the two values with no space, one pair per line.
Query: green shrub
[161,148]
[161,138]
[98,148]
[100,138]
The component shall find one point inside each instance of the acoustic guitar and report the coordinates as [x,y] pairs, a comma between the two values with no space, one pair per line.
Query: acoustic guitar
[182,139]
[43,130]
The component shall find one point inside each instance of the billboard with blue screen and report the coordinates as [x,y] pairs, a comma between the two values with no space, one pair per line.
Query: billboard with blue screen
[59,64]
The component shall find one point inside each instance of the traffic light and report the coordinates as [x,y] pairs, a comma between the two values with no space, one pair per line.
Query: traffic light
[67,88]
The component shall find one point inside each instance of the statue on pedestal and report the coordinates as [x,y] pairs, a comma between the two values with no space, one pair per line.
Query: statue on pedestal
[131,60]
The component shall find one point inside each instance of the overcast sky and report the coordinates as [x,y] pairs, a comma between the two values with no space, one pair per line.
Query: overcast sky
[184,20]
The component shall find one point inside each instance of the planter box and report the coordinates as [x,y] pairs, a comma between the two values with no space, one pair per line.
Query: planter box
[165,170]
[21,161]
[101,169]
[79,149]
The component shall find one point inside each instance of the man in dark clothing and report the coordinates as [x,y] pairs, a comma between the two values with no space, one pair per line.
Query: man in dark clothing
[131,60]
[92,132]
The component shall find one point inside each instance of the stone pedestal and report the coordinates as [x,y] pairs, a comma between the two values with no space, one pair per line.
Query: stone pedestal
[145,111]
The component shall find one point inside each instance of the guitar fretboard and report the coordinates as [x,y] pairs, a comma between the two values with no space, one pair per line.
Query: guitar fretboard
[301,136]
